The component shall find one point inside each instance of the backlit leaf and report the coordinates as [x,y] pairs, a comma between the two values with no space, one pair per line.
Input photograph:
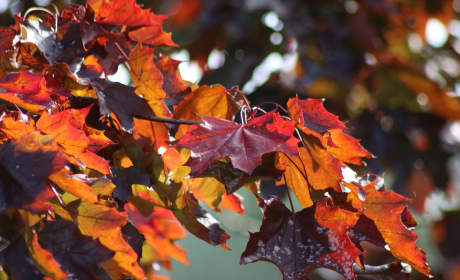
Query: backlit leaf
[219,138]
[311,116]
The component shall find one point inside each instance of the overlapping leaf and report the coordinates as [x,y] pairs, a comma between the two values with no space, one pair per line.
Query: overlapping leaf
[42,258]
[304,173]
[75,252]
[29,90]
[105,223]
[25,165]
[123,101]
[147,79]
[381,222]
[160,230]
[213,101]
[77,139]
[312,117]
[301,242]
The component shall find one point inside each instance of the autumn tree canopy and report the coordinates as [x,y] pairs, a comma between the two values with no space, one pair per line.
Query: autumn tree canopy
[100,179]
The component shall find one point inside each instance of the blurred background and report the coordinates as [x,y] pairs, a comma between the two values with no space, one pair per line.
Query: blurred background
[390,67]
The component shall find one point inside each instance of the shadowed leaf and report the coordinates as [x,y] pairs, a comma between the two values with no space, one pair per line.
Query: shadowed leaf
[72,250]
[301,242]
[25,164]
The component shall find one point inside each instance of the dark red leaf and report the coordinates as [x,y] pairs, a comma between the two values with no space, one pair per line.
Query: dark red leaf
[173,85]
[6,38]
[301,242]
[75,252]
[126,177]
[123,101]
[135,238]
[243,144]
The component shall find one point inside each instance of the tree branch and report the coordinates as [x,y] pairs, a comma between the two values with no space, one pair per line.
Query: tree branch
[166,120]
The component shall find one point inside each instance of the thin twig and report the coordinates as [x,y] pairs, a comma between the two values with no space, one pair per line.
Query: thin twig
[289,196]
[304,175]
[166,120]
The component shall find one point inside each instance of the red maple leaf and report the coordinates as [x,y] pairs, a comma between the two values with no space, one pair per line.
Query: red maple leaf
[301,242]
[243,144]
[312,117]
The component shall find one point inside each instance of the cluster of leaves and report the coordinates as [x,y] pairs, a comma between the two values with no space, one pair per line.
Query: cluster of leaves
[86,193]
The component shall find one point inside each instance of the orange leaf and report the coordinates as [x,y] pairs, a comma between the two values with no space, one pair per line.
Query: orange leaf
[212,101]
[155,132]
[13,127]
[347,148]
[43,259]
[303,168]
[152,35]
[67,127]
[384,208]
[74,187]
[145,76]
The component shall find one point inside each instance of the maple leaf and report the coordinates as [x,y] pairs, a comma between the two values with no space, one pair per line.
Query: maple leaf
[147,79]
[381,222]
[100,221]
[211,101]
[69,129]
[299,243]
[29,90]
[212,192]
[126,177]
[155,132]
[25,164]
[74,251]
[123,101]
[6,38]
[345,148]
[152,35]
[135,238]
[243,144]
[15,125]
[53,44]
[196,220]
[124,13]
[43,259]
[176,89]
[233,178]
[311,116]
[303,173]
[75,187]
[160,229]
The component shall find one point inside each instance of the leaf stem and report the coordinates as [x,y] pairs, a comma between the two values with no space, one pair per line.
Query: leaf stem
[56,194]
[304,173]
[289,196]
